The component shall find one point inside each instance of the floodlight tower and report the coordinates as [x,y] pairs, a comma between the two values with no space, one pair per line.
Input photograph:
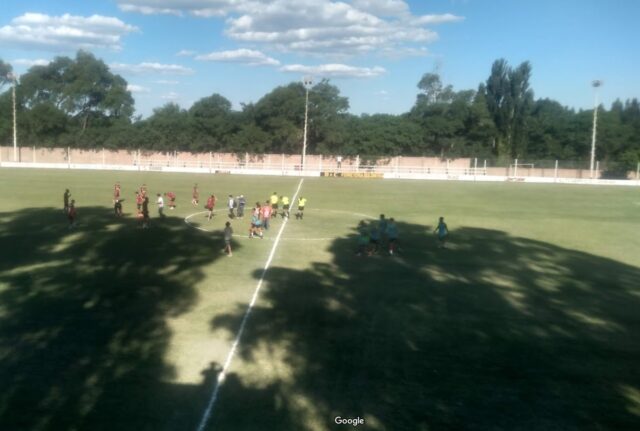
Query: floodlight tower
[595,84]
[307,81]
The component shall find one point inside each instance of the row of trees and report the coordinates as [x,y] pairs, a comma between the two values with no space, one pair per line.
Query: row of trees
[80,103]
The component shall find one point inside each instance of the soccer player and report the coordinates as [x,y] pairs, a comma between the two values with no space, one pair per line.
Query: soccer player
[256,223]
[363,239]
[274,204]
[302,201]
[139,201]
[392,234]
[117,208]
[442,231]
[374,239]
[143,190]
[145,212]
[211,202]
[160,202]
[285,206]
[231,204]
[116,192]
[172,200]
[266,215]
[242,202]
[195,195]
[71,214]
[65,200]
[228,233]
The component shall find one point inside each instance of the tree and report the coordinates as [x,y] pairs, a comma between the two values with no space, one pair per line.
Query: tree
[442,114]
[83,88]
[509,100]
[211,118]
[5,72]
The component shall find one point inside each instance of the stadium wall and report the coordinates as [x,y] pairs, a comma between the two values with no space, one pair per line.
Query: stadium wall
[419,168]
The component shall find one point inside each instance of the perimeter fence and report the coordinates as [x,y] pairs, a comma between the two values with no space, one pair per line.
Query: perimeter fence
[400,165]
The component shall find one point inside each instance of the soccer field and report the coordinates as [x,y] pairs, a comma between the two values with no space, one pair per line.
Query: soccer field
[528,320]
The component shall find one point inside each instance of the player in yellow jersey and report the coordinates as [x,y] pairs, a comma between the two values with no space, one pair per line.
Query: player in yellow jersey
[285,206]
[302,201]
[274,204]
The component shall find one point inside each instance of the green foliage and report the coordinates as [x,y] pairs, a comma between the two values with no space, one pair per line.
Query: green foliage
[5,73]
[509,101]
[79,102]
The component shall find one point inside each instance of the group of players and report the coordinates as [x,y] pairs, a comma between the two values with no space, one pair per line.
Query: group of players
[383,233]
[261,214]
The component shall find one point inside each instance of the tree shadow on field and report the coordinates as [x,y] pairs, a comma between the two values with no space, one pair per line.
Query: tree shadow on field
[494,333]
[83,321]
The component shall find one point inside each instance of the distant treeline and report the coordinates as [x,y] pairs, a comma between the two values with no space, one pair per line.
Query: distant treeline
[79,102]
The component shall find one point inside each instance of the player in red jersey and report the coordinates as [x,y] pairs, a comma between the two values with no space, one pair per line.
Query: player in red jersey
[139,200]
[266,214]
[195,195]
[172,200]
[211,203]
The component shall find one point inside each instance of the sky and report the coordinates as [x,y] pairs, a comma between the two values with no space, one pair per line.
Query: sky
[374,51]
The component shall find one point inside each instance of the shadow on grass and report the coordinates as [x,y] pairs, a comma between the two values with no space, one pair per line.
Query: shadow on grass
[495,333]
[83,331]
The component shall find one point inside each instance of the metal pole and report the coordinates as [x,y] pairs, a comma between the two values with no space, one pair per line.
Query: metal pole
[638,172]
[595,85]
[306,118]
[15,129]
[515,169]
[475,168]
[555,172]
[307,82]
[597,169]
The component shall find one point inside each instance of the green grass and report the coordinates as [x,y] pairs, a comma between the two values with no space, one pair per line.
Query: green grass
[528,321]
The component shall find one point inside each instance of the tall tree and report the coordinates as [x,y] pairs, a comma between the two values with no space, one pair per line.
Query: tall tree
[83,88]
[5,73]
[509,100]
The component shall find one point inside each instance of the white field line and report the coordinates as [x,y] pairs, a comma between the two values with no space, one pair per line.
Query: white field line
[223,373]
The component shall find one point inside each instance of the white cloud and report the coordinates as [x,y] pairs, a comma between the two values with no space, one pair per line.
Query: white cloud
[142,68]
[170,96]
[28,62]
[185,53]
[244,56]
[438,19]
[335,70]
[137,88]
[64,33]
[382,7]
[203,8]
[322,27]
[166,82]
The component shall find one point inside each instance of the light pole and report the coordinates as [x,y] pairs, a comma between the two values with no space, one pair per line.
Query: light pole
[307,82]
[595,84]
[13,77]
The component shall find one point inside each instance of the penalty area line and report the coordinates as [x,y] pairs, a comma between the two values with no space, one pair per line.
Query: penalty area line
[223,373]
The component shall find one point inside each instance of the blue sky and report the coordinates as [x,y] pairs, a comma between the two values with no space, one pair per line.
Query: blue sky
[375,51]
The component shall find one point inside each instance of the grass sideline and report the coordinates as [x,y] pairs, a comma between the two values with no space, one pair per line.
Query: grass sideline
[528,321]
